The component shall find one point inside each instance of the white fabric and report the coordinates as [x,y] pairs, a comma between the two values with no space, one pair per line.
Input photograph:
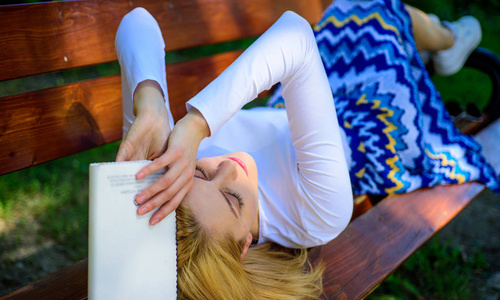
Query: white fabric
[305,196]
[141,53]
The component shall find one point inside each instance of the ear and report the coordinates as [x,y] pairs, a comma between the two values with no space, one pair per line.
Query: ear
[248,241]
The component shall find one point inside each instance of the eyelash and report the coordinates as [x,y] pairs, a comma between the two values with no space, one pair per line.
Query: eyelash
[234,194]
[238,197]
[198,168]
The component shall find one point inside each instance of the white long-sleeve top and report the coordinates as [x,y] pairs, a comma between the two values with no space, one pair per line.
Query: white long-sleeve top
[305,196]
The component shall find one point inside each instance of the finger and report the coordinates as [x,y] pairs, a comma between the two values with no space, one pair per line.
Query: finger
[168,207]
[127,151]
[122,153]
[159,197]
[157,164]
[162,183]
[138,155]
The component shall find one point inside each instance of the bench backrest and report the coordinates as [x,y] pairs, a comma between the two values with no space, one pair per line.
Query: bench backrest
[43,125]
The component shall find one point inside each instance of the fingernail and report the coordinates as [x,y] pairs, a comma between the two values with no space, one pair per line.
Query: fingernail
[154,221]
[139,199]
[139,175]
[136,202]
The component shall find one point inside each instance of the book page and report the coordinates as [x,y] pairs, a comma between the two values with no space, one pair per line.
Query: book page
[128,258]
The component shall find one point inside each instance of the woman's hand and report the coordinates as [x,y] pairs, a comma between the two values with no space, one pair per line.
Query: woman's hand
[180,159]
[147,137]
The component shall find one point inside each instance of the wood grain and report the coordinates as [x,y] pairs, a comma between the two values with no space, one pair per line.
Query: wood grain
[47,37]
[186,79]
[362,204]
[68,283]
[40,126]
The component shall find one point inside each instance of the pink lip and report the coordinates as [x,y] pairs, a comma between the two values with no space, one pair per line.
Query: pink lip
[239,162]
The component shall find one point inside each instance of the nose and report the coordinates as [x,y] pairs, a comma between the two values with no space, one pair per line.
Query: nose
[226,171]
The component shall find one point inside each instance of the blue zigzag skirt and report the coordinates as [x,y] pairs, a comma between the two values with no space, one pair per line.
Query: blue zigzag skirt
[400,135]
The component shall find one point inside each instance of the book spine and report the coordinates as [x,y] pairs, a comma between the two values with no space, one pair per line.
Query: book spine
[93,188]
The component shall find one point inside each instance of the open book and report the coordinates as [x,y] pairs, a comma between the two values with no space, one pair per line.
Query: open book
[128,258]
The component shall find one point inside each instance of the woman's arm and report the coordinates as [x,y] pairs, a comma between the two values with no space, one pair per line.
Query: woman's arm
[288,53]
[140,50]
[147,118]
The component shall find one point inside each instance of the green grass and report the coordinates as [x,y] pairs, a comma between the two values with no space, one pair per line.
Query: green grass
[54,195]
[44,217]
[477,90]
[438,270]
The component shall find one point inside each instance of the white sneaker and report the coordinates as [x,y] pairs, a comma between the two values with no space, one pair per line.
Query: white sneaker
[425,55]
[434,18]
[467,33]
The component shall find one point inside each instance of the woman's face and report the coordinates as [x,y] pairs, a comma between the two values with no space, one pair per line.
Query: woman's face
[224,193]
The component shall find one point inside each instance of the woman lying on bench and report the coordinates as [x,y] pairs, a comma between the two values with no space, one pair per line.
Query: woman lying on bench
[395,137]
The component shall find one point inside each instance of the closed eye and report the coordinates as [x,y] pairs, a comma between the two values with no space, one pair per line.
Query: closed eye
[229,203]
[224,192]
[237,196]
[203,172]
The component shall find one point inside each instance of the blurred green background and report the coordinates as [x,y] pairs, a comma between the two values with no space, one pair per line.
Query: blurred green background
[44,209]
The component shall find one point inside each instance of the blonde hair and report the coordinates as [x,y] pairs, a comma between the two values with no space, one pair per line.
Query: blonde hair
[209,267]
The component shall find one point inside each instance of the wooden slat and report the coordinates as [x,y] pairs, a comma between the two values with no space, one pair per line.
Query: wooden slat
[46,37]
[472,127]
[362,204]
[186,79]
[56,122]
[44,125]
[68,283]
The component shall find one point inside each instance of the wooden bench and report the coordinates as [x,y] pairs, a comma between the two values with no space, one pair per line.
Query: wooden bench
[43,125]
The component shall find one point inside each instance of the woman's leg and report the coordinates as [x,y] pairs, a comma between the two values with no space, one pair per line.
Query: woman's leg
[450,43]
[429,36]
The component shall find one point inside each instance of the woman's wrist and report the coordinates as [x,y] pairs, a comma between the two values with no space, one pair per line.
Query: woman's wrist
[197,124]
[148,98]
